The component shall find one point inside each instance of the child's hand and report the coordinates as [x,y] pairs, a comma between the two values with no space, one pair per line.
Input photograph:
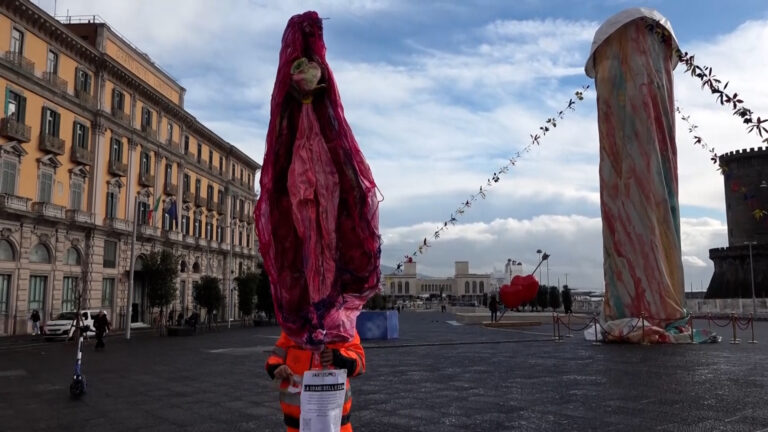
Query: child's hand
[283,372]
[326,357]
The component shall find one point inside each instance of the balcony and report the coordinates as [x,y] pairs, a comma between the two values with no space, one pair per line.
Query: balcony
[118,168]
[189,239]
[242,216]
[85,97]
[172,235]
[175,146]
[147,179]
[148,230]
[13,202]
[149,131]
[81,155]
[221,207]
[19,62]
[47,209]
[51,144]
[211,205]
[10,128]
[121,115]
[170,188]
[79,216]
[187,196]
[237,249]
[55,81]
[199,201]
[117,224]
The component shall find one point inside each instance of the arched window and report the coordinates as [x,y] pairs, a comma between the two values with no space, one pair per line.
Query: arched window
[72,257]
[482,287]
[466,287]
[39,254]
[183,266]
[392,287]
[407,287]
[196,267]
[399,287]
[6,251]
[474,287]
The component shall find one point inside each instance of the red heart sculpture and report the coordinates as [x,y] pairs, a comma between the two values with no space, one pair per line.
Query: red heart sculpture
[521,290]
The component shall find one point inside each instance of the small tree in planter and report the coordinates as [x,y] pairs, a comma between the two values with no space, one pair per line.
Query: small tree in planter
[554,298]
[542,297]
[161,268]
[246,292]
[207,294]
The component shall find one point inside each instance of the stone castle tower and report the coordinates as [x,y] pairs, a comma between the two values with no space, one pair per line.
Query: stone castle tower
[746,198]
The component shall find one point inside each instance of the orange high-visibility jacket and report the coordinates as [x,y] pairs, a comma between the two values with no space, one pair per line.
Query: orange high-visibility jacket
[346,355]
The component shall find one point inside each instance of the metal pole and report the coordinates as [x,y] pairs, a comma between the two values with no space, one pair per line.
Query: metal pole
[131,268]
[547,272]
[752,272]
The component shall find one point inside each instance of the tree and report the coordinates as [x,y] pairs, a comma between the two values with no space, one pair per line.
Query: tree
[567,300]
[246,292]
[542,297]
[264,293]
[376,302]
[554,298]
[207,294]
[160,270]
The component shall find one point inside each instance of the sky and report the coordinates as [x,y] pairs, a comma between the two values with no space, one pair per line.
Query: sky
[440,94]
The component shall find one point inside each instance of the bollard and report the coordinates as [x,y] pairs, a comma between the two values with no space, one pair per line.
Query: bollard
[569,326]
[554,331]
[733,325]
[642,322]
[752,324]
[559,337]
[597,326]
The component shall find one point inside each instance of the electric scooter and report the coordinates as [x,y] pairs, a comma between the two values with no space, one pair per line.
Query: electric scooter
[77,387]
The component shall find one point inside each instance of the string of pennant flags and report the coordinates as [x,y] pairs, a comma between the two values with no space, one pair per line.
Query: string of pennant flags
[535,140]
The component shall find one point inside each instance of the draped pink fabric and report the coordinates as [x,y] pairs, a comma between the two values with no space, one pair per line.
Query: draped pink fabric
[317,215]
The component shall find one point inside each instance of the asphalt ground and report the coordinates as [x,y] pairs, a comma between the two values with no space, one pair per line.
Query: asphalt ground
[436,377]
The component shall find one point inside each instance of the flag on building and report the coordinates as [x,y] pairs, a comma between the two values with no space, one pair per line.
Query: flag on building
[172,214]
[152,211]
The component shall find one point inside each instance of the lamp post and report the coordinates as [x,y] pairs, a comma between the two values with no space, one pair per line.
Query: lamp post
[752,277]
[538,251]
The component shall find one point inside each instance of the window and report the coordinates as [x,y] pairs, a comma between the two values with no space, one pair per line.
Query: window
[186,144]
[116,150]
[6,251]
[239,238]
[466,287]
[392,287]
[146,118]
[185,224]
[52,63]
[51,120]
[82,81]
[118,100]
[249,179]
[76,195]
[168,174]
[199,152]
[474,287]
[399,287]
[185,182]
[166,221]
[209,230]
[183,294]
[17,42]
[221,165]
[37,292]
[15,106]
[5,292]
[241,175]
[210,159]
[8,179]
[143,212]
[232,173]
[407,287]
[183,266]
[197,187]
[221,198]
[197,229]
[80,135]
[145,162]
[110,254]
[170,132]
[68,294]
[112,198]
[45,186]
[234,207]
[107,292]
[72,257]
[482,287]
[209,194]
[219,232]
[248,239]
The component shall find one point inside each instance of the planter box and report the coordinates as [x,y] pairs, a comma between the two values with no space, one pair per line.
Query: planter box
[378,325]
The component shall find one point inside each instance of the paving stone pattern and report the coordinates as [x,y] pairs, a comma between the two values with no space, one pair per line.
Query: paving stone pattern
[437,377]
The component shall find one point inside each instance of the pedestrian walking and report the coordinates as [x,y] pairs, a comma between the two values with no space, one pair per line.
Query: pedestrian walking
[289,361]
[35,318]
[101,325]
[493,306]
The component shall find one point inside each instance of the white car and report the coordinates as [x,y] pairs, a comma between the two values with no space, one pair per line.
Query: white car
[63,327]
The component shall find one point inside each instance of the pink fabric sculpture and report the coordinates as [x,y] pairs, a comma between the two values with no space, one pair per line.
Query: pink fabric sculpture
[317,215]
[632,67]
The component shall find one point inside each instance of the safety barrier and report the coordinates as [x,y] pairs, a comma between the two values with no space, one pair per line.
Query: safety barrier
[734,321]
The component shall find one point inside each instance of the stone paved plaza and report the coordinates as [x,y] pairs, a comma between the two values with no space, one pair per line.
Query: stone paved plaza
[436,377]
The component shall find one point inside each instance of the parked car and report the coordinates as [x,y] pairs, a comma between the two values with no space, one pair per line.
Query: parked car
[63,327]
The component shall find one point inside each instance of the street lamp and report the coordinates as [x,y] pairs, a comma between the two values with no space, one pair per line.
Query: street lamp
[538,251]
[752,272]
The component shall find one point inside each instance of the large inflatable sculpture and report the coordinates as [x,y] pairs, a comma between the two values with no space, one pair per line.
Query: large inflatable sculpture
[632,67]
[317,216]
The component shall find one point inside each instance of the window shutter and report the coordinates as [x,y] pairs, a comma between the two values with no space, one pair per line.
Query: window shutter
[43,123]
[7,98]
[56,121]
[21,115]
[86,136]
[74,134]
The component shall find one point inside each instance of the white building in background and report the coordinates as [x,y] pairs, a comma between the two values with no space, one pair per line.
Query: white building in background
[462,286]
